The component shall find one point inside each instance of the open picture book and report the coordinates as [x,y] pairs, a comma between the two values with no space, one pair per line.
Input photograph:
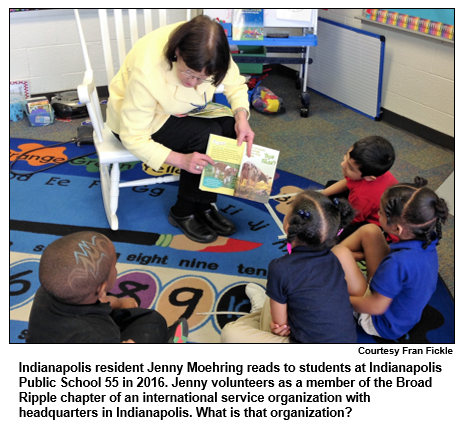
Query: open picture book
[236,174]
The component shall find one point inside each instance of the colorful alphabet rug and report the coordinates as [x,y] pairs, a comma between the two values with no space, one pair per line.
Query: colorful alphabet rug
[157,265]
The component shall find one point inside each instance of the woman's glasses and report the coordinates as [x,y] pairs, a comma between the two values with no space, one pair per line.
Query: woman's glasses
[189,74]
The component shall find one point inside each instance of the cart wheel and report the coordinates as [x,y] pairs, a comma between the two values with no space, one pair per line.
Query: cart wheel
[305,99]
[299,83]
[304,112]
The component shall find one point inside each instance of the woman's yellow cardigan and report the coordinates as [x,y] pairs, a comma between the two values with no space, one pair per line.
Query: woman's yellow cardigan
[144,93]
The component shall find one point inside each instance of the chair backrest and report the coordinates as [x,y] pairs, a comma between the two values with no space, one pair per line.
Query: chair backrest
[120,37]
[119,26]
[87,92]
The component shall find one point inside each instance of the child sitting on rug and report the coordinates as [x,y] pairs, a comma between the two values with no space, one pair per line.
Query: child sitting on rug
[71,305]
[403,276]
[366,169]
[307,300]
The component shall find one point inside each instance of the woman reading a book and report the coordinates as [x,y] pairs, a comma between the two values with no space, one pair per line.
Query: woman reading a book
[168,74]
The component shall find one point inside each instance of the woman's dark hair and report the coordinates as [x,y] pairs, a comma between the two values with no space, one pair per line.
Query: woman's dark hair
[417,207]
[316,220]
[202,44]
[373,155]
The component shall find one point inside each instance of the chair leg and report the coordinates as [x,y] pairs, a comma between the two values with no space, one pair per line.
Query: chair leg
[110,197]
[114,188]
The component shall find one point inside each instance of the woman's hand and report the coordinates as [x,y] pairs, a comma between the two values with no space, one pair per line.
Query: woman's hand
[192,162]
[195,162]
[243,130]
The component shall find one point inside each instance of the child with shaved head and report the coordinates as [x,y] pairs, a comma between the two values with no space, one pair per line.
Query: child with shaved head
[71,305]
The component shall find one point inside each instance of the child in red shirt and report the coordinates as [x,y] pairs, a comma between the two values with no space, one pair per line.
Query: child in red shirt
[366,170]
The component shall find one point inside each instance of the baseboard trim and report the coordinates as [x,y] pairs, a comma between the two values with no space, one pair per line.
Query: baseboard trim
[102,92]
[422,131]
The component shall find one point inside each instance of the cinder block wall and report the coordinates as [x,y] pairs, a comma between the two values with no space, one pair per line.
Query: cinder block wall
[45,48]
[418,73]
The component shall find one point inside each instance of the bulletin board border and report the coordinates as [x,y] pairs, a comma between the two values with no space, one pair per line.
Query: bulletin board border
[409,23]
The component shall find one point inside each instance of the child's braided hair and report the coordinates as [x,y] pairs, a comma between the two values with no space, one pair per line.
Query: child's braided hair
[316,220]
[417,207]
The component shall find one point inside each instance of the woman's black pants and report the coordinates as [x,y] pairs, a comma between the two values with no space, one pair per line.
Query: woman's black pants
[188,135]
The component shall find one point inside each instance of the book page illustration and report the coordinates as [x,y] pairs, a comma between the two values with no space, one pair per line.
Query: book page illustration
[256,174]
[221,177]
[236,174]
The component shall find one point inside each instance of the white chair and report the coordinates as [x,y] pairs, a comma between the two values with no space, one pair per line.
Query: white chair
[110,151]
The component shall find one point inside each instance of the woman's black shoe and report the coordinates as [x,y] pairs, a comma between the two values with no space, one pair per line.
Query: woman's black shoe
[216,221]
[193,228]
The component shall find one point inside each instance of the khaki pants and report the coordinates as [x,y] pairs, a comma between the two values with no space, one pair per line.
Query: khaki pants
[252,328]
